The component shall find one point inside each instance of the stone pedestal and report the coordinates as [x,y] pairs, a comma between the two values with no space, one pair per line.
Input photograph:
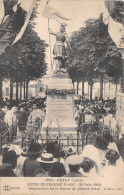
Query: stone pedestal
[59,118]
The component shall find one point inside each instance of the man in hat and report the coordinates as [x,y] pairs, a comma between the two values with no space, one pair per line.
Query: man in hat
[31,164]
[46,161]
[74,163]
[59,50]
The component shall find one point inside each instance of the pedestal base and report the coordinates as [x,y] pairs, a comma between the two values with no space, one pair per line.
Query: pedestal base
[60,103]
[59,122]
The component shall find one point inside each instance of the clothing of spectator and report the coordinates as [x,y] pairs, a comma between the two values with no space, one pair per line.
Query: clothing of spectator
[46,161]
[9,163]
[91,153]
[31,163]
[30,166]
[112,169]
[3,126]
[20,160]
[74,163]
[2,114]
[57,170]
[120,145]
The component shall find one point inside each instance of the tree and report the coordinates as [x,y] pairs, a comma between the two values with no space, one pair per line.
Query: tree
[25,60]
[94,54]
[8,31]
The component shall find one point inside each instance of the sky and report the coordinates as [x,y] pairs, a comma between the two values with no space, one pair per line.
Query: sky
[78,10]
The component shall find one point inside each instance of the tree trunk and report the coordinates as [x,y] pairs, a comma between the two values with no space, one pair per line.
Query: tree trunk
[21,91]
[0,90]
[82,88]
[24,88]
[91,82]
[77,87]
[73,83]
[91,90]
[116,88]
[11,89]
[88,91]
[17,90]
[27,89]
[101,87]
[104,90]
[109,89]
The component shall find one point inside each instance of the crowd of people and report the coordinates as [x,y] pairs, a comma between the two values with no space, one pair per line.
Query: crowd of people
[25,112]
[96,111]
[30,111]
[104,156]
[99,159]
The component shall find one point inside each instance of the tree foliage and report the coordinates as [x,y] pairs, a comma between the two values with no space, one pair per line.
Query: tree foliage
[94,53]
[25,60]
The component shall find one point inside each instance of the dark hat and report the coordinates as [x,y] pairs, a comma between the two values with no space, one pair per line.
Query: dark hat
[71,150]
[63,24]
[9,157]
[112,155]
[87,164]
[34,148]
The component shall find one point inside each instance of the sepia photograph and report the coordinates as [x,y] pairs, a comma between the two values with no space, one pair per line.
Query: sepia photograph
[62,97]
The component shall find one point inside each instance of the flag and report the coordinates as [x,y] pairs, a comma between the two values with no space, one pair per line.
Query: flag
[1,11]
[113,16]
[28,7]
[52,13]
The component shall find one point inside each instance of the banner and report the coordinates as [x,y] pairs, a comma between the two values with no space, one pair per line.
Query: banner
[52,13]
[1,11]
[27,6]
[113,16]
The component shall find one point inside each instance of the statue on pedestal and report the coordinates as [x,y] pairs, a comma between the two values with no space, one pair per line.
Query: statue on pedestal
[59,50]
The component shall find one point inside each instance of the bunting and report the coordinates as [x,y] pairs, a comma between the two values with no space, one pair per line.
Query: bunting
[1,11]
[52,13]
[28,7]
[114,17]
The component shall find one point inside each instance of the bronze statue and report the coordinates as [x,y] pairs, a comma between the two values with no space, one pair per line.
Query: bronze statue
[59,50]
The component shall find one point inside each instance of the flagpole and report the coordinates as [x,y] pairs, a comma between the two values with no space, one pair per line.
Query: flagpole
[50,45]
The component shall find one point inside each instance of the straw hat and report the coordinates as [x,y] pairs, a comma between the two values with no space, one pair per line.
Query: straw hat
[47,158]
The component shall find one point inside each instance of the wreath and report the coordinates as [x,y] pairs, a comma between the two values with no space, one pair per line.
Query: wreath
[59,92]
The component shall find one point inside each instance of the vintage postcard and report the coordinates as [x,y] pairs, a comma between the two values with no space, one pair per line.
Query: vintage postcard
[61,97]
